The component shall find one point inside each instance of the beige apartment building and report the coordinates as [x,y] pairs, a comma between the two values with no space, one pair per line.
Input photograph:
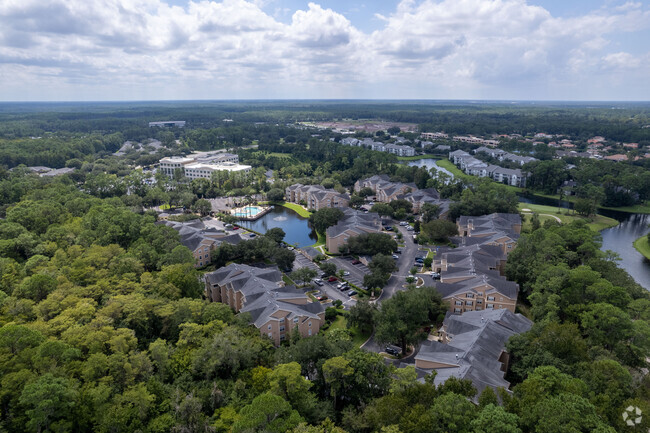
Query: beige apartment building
[316,196]
[275,310]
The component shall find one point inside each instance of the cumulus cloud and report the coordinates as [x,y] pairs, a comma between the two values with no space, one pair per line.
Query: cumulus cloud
[236,48]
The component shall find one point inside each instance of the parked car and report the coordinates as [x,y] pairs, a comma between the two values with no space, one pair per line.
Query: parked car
[332,279]
[419,259]
[352,292]
[399,251]
[435,275]
[291,248]
[346,273]
[356,262]
[392,351]
[252,235]
[318,281]
[322,297]
[388,229]
[395,256]
[409,228]
[403,223]
[235,228]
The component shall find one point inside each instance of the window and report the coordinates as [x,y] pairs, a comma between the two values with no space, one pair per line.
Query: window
[469,303]
[490,305]
[281,328]
[490,298]
[281,337]
[200,263]
[479,301]
[478,308]
[469,295]
[281,319]
[309,333]
[269,327]
[457,310]
[295,320]
[459,302]
[310,323]
[500,298]
[270,335]
[479,294]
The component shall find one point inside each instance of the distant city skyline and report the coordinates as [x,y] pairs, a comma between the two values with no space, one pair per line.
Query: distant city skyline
[103,50]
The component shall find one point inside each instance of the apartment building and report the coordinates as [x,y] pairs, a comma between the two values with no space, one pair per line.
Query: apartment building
[473,347]
[385,190]
[471,275]
[353,223]
[316,196]
[201,240]
[277,311]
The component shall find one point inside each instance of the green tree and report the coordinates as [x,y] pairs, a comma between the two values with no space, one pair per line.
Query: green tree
[493,418]
[267,413]
[324,218]
[275,195]
[328,268]
[49,403]
[275,233]
[303,274]
[202,206]
[362,315]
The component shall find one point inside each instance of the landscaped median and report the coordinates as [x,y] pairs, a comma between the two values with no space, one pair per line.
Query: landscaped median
[595,222]
[643,246]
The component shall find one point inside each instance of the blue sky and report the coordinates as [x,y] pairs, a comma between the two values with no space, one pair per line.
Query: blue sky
[243,49]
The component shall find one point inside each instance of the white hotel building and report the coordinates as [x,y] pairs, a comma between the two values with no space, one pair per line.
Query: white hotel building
[202,164]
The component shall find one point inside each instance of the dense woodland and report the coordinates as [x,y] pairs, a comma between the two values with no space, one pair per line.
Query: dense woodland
[104,328]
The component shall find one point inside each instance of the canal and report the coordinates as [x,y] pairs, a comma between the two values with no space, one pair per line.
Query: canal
[297,229]
[618,239]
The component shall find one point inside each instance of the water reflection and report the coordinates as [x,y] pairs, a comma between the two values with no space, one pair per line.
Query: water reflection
[296,227]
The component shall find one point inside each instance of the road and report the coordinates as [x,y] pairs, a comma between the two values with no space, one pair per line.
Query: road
[396,281]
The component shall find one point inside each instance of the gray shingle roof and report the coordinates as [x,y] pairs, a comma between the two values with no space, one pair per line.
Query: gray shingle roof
[477,340]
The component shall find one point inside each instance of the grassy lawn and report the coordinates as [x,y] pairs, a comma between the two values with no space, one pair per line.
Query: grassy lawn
[447,164]
[416,157]
[596,223]
[639,208]
[643,246]
[321,240]
[341,322]
[298,209]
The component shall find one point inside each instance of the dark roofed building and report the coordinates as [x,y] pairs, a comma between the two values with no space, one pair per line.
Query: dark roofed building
[275,310]
[472,346]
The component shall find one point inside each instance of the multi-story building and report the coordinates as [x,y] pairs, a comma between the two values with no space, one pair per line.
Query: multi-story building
[202,164]
[434,135]
[316,196]
[277,311]
[471,275]
[353,223]
[473,347]
[385,190]
[168,124]
[201,240]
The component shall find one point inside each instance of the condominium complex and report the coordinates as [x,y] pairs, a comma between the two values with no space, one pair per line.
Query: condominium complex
[276,310]
[471,275]
[316,197]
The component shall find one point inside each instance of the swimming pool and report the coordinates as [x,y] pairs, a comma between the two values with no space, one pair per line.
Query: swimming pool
[247,211]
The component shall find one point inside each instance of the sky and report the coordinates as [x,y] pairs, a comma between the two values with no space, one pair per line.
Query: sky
[105,50]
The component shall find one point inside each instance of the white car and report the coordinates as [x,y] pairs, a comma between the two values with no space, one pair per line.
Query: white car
[346,273]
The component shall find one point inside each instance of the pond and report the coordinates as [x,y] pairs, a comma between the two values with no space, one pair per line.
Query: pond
[296,227]
[430,164]
[618,239]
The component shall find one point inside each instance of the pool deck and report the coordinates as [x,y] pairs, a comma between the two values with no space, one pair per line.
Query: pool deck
[264,211]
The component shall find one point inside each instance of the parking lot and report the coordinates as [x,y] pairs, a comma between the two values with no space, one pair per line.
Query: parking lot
[327,289]
[356,271]
[303,262]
